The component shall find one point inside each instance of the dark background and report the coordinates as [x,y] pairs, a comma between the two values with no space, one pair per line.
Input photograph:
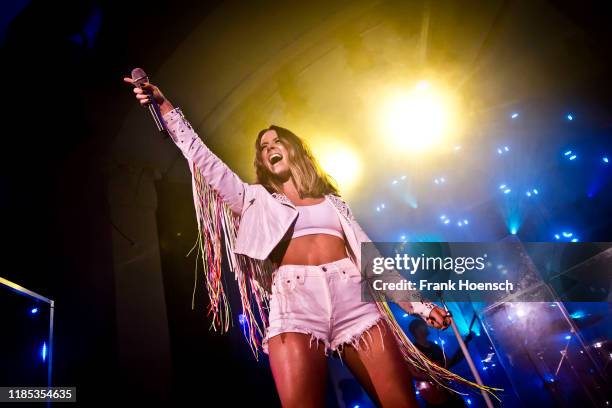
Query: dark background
[63,102]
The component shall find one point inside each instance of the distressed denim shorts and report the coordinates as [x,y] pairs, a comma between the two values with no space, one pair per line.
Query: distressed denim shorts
[323,301]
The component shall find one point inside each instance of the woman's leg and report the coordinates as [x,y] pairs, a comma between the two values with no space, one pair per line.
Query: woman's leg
[299,368]
[383,373]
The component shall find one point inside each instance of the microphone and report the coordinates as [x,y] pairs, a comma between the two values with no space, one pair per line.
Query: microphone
[140,77]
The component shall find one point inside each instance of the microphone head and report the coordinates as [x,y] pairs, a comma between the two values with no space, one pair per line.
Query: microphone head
[139,76]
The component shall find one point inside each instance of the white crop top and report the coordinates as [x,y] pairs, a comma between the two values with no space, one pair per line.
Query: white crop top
[317,219]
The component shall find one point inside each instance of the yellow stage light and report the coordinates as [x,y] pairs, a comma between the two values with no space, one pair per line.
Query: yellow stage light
[340,161]
[419,119]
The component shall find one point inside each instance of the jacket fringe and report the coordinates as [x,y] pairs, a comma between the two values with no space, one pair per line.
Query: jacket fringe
[414,356]
[216,221]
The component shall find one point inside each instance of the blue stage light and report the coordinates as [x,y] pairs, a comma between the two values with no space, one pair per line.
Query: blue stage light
[570,116]
[513,222]
[566,236]
[605,159]
[469,401]
[535,191]
[577,315]
[446,221]
[465,222]
[503,149]
[34,310]
[43,351]
[573,157]
[502,186]
[567,153]
[506,191]
[242,319]
[568,337]
[515,115]
[528,194]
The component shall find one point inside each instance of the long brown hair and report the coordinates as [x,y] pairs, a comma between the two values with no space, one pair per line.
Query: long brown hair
[308,176]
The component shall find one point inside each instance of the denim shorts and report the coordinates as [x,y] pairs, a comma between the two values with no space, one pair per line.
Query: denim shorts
[323,301]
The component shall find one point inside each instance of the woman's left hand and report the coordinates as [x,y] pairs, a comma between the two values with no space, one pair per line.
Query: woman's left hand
[439,318]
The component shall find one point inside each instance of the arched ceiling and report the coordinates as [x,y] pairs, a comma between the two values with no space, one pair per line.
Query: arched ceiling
[321,69]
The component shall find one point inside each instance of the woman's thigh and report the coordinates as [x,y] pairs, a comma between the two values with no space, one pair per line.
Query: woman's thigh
[381,368]
[299,369]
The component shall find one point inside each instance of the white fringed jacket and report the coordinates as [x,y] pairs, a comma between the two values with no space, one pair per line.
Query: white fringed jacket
[251,222]
[265,217]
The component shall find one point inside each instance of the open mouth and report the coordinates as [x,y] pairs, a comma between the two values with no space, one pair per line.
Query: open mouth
[275,158]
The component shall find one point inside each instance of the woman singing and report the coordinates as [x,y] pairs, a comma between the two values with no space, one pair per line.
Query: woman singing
[295,249]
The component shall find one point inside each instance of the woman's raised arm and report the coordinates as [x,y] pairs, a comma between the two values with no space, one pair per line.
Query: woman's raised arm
[215,172]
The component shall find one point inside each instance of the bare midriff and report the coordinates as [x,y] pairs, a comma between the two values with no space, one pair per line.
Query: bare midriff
[314,249]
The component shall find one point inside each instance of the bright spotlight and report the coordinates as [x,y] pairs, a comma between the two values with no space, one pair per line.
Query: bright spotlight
[339,161]
[417,120]
[422,86]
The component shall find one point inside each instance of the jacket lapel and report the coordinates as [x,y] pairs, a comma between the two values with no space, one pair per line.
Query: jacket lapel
[353,243]
[283,199]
